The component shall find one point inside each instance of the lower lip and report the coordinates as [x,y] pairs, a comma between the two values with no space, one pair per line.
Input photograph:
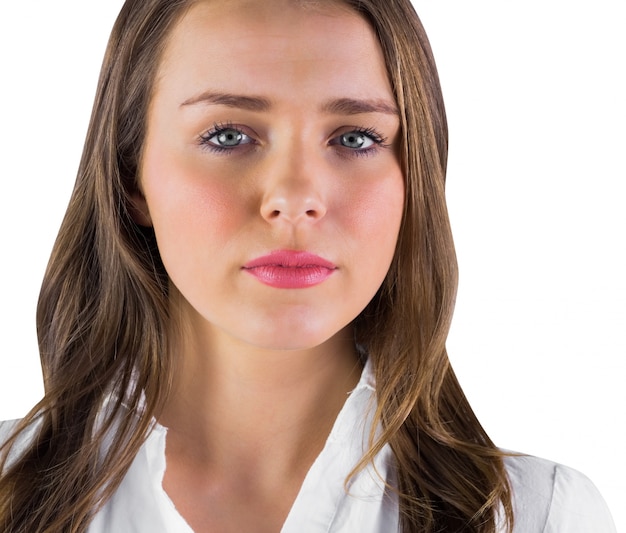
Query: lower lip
[287,277]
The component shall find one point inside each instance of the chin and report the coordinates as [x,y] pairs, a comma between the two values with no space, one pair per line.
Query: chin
[291,337]
[291,342]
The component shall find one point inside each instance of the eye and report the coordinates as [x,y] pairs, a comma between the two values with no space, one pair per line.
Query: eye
[229,137]
[224,138]
[356,140]
[359,141]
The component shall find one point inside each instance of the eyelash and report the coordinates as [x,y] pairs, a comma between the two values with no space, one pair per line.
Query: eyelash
[205,138]
[378,140]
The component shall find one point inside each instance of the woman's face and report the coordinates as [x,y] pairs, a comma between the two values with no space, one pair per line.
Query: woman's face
[270,171]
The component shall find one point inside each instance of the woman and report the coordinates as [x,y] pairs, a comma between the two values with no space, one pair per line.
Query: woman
[246,308]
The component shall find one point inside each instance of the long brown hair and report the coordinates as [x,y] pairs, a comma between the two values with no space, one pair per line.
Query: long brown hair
[103,311]
[451,476]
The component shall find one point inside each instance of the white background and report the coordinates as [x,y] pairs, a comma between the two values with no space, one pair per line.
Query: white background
[535,96]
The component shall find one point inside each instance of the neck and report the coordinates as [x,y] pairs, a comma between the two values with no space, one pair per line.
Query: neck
[235,407]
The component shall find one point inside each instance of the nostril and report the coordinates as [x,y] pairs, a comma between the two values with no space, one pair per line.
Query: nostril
[275,209]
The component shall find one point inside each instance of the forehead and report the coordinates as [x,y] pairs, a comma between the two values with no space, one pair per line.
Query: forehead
[254,46]
[246,15]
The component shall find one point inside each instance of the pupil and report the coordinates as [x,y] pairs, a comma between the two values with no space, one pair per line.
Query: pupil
[230,138]
[353,140]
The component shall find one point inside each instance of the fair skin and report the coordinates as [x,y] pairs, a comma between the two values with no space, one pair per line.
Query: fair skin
[265,135]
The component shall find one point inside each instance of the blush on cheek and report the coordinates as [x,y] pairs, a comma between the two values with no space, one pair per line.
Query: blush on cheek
[186,194]
[378,209]
[200,213]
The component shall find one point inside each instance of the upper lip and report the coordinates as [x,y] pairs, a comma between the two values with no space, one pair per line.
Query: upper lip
[290,259]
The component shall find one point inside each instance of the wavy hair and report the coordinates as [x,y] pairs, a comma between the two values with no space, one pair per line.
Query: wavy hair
[103,311]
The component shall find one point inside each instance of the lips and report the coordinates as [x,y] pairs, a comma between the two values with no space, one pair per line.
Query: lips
[286,269]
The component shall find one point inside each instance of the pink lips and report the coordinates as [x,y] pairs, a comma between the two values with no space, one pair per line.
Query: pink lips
[286,269]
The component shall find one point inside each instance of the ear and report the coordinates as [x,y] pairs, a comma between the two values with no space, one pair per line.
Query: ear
[139,209]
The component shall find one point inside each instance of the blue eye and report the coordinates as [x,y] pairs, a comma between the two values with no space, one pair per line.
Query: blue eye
[360,141]
[224,138]
[229,137]
[356,140]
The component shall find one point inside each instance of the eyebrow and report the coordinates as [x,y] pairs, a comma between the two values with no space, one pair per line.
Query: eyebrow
[249,103]
[338,106]
[352,106]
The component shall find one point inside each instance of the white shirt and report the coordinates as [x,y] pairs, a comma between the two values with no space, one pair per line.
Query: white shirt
[548,497]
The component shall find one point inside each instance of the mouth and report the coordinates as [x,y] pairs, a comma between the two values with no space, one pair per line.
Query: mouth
[287,269]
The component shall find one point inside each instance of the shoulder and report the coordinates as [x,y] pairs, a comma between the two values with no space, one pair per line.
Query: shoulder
[549,497]
[7,428]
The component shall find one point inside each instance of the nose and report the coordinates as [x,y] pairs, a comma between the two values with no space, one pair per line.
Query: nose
[293,191]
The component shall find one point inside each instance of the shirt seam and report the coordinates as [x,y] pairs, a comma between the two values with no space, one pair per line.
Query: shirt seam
[545,525]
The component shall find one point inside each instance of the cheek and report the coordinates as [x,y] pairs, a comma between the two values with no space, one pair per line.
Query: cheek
[194,214]
[376,210]
[184,198]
